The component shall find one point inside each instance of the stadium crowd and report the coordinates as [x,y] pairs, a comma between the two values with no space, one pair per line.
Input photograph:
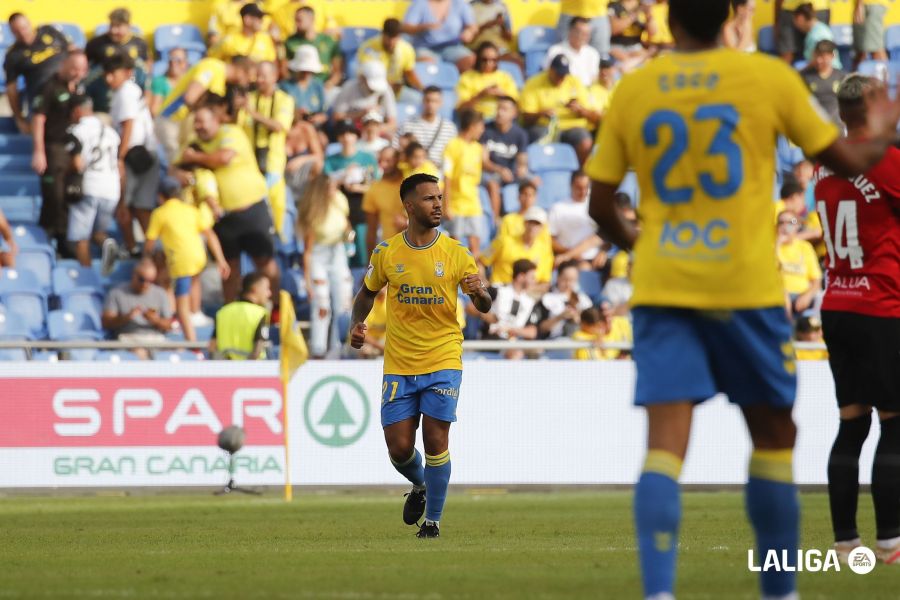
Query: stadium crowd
[276,145]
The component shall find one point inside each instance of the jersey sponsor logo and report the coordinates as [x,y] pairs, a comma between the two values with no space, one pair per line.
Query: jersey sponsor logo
[399,268]
[439,269]
[450,392]
[699,241]
[849,283]
[413,294]
[682,81]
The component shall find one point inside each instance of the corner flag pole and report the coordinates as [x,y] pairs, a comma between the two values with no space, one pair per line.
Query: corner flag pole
[293,354]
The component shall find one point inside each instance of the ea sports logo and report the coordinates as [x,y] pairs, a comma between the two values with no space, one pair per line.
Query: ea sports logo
[861,560]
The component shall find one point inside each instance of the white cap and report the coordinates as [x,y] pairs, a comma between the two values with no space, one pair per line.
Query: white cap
[306,59]
[372,116]
[375,75]
[536,214]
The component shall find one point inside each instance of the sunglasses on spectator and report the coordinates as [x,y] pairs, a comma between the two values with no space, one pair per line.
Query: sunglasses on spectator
[177,60]
[787,222]
[490,59]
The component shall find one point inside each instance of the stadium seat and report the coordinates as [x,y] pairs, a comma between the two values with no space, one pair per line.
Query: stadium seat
[406,111]
[509,197]
[20,185]
[16,280]
[353,37]
[440,74]
[13,142]
[765,39]
[15,163]
[72,31]
[554,164]
[534,41]
[65,325]
[448,106]
[189,37]
[184,356]
[2,71]
[6,36]
[872,68]
[892,41]
[514,71]
[29,234]
[292,282]
[44,356]
[11,354]
[11,326]
[67,278]
[159,68]
[591,284]
[82,354]
[115,356]
[843,39]
[358,274]
[30,307]
[83,301]
[490,225]
[39,260]
[630,186]
[8,125]
[121,273]
[333,148]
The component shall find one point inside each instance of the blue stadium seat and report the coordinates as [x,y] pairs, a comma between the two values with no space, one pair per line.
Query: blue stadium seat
[65,325]
[67,278]
[630,186]
[20,208]
[30,307]
[15,163]
[13,354]
[406,111]
[333,148]
[189,37]
[11,326]
[871,67]
[29,234]
[765,39]
[183,356]
[2,71]
[82,354]
[83,301]
[159,68]
[514,71]
[39,260]
[534,41]
[17,280]
[509,197]
[440,74]
[115,356]
[843,39]
[353,37]
[554,164]
[44,356]
[6,36]
[13,142]
[591,284]
[448,106]
[121,273]
[892,41]
[20,185]
[292,282]
[488,210]
[72,31]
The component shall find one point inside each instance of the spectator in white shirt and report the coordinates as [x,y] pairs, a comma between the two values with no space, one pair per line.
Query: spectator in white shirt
[94,148]
[132,119]
[512,314]
[573,231]
[431,130]
[560,310]
[584,60]
[369,92]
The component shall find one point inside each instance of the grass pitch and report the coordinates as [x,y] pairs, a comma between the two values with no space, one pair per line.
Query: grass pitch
[355,547]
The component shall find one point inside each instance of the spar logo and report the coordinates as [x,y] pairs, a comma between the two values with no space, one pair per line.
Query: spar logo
[336,411]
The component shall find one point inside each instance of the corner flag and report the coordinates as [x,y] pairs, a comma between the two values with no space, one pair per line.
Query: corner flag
[293,354]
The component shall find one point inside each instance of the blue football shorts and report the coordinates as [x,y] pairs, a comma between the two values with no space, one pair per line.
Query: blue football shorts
[433,394]
[685,354]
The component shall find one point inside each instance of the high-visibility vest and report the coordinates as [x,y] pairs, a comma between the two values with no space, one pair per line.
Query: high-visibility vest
[236,325]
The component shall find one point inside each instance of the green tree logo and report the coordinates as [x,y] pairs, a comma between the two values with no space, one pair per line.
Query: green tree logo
[329,411]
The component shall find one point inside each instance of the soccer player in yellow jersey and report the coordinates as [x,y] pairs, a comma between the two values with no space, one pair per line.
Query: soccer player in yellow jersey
[698,126]
[423,351]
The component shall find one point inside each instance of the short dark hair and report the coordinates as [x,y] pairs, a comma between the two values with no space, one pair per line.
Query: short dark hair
[824,47]
[468,118]
[432,89]
[790,188]
[481,48]
[412,147]
[577,175]
[14,16]
[591,316]
[623,200]
[568,264]
[806,11]
[391,28]
[527,184]
[409,185]
[249,281]
[578,21]
[242,62]
[701,19]
[507,99]
[118,61]
[522,266]
[306,8]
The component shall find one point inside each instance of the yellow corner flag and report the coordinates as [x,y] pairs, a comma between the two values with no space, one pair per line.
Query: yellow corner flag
[293,354]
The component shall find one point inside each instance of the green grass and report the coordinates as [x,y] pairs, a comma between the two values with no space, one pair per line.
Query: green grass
[355,547]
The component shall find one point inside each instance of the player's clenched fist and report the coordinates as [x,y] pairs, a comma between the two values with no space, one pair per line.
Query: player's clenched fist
[358,335]
[473,284]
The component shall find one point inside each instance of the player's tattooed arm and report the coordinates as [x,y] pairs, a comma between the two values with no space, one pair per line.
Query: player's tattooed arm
[474,287]
[362,306]
[613,225]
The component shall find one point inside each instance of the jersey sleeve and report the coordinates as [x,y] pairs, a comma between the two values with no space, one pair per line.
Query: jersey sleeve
[467,264]
[375,276]
[608,162]
[801,118]
[888,175]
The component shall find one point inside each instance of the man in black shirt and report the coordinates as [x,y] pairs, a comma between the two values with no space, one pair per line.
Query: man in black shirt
[36,55]
[51,119]
[822,79]
[118,40]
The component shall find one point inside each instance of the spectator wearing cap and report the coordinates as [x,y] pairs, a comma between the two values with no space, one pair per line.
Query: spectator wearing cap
[533,243]
[326,46]
[809,330]
[251,41]
[371,140]
[182,228]
[225,18]
[304,87]
[91,216]
[441,29]
[556,97]
[119,39]
[628,23]
[138,311]
[574,232]
[584,60]
[354,171]
[36,55]
[512,315]
[430,129]
[385,216]
[267,118]
[399,60]
[369,92]
[506,144]
[596,12]
[813,30]
[799,265]
[559,310]
[601,92]
[868,29]
[480,88]
[495,26]
[823,79]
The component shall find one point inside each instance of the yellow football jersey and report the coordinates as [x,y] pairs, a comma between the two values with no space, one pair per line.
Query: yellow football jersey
[423,334]
[209,72]
[699,129]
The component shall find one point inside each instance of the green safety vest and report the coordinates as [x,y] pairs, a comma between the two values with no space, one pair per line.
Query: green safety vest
[236,325]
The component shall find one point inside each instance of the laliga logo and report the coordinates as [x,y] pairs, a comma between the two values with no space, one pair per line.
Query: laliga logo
[861,561]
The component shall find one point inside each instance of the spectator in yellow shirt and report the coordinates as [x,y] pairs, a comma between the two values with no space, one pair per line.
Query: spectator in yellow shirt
[415,160]
[556,100]
[251,41]
[463,159]
[533,244]
[658,36]
[601,92]
[793,198]
[799,265]
[480,88]
[809,329]
[381,202]
[179,225]
[600,327]
[399,59]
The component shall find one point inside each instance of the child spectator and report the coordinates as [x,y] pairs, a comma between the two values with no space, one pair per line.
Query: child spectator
[179,225]
[371,141]
[799,265]
[506,145]
[599,326]
[463,160]
[415,160]
[793,199]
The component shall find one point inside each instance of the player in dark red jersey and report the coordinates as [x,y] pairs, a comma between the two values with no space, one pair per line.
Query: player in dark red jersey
[861,322]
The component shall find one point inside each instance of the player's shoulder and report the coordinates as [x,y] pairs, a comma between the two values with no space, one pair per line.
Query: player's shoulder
[453,247]
[389,246]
